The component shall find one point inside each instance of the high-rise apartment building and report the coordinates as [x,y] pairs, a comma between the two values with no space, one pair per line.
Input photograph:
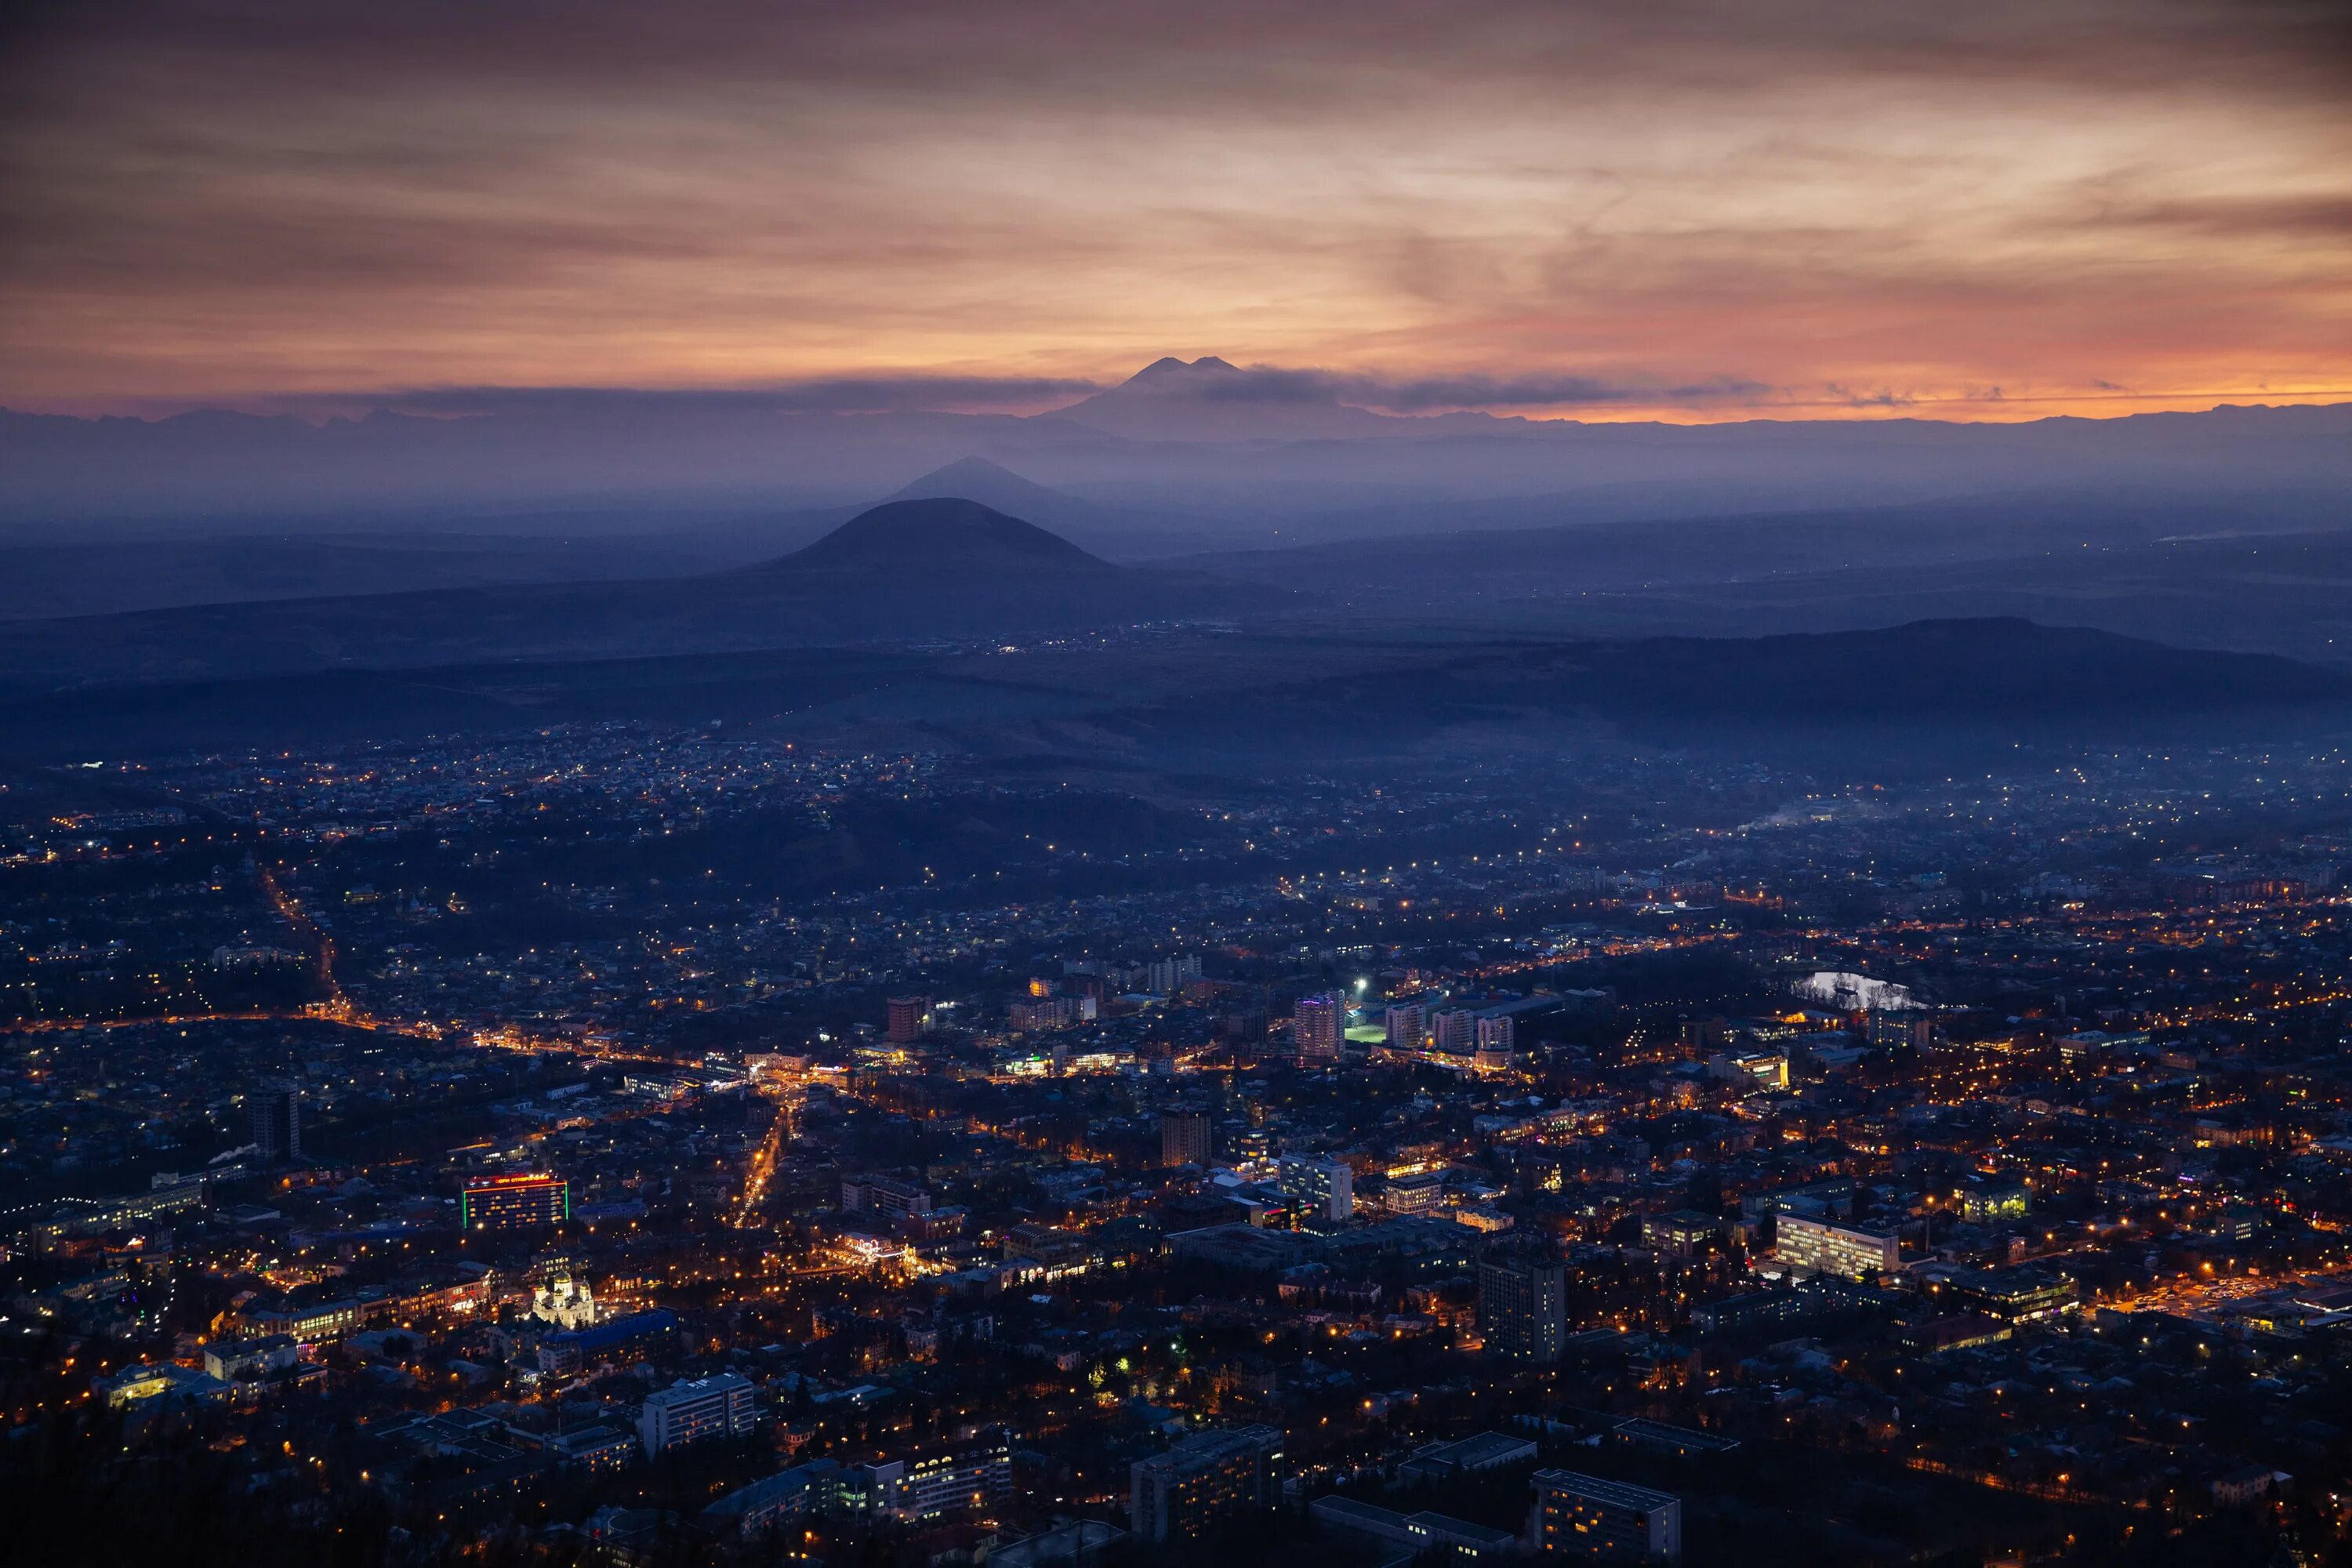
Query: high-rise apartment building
[1408,1026]
[274,1119]
[1184,1138]
[1523,1307]
[1318,1027]
[1203,1480]
[905,1018]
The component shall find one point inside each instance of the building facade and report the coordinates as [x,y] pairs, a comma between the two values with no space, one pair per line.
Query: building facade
[522,1201]
[1579,1515]
[1206,1479]
[1523,1308]
[905,1018]
[1184,1138]
[1318,1029]
[1810,1245]
[968,1479]
[1323,1191]
[274,1120]
[690,1412]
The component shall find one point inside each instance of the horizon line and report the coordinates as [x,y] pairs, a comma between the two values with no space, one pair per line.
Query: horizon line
[318,410]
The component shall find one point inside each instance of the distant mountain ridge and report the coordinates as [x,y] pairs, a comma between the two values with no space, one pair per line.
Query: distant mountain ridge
[1204,437]
[941,534]
[901,574]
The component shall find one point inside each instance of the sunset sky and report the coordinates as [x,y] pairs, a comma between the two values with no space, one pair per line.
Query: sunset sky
[1678,209]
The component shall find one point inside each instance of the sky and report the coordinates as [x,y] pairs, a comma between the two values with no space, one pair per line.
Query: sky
[1686,209]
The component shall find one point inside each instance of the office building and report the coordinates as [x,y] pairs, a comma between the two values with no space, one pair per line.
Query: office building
[1523,1308]
[521,1200]
[1584,1516]
[2015,1295]
[1203,1480]
[1322,1190]
[1318,1027]
[1184,1138]
[1809,1245]
[274,1122]
[690,1412]
[1752,1071]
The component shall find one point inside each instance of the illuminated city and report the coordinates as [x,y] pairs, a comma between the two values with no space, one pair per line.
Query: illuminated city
[1151,786]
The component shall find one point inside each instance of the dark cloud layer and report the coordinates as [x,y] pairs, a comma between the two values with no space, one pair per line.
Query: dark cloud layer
[1267,385]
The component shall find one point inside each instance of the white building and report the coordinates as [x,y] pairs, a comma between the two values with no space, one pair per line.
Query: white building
[719,1406]
[565,1302]
[1851,1252]
[1325,1188]
[967,1479]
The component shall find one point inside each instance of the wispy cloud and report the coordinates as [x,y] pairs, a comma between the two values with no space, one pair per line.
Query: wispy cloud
[1883,397]
[1277,385]
[1421,394]
[877,394]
